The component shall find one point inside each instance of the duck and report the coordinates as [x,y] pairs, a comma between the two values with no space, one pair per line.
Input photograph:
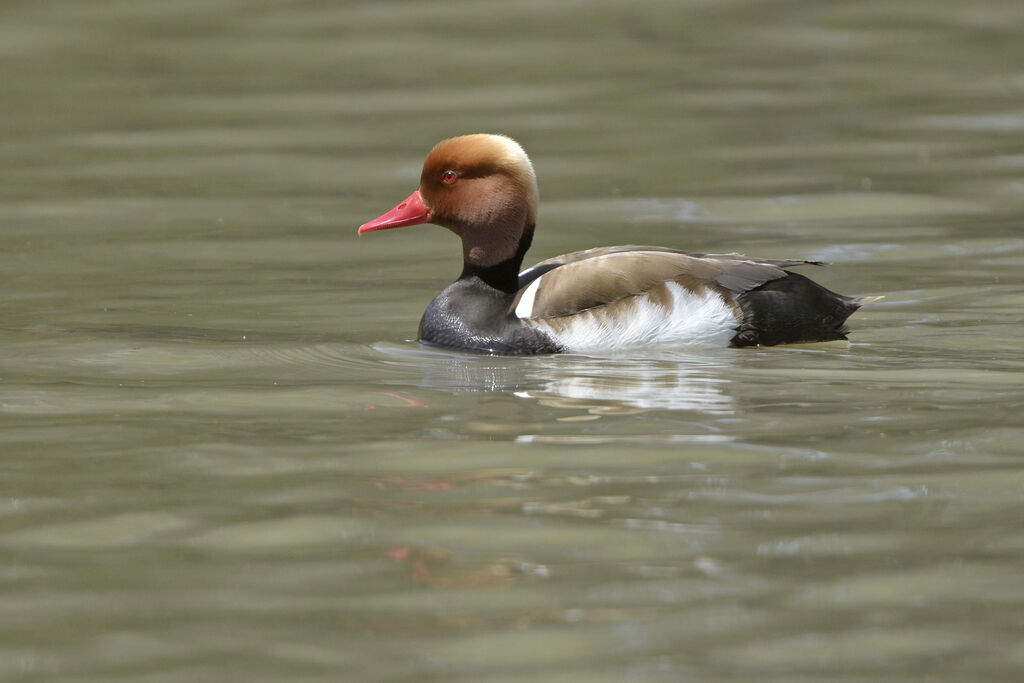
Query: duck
[483,188]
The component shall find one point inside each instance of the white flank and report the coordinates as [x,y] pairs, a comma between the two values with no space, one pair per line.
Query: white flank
[692,319]
[524,309]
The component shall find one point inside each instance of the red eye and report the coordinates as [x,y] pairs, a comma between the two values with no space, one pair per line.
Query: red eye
[449,177]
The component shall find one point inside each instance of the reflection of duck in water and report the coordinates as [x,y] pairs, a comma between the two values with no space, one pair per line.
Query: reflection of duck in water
[665,379]
[483,188]
[603,386]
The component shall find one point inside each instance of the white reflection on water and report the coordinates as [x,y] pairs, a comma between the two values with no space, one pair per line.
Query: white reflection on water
[602,385]
[660,379]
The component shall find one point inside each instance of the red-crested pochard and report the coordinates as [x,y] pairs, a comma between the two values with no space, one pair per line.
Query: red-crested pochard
[483,188]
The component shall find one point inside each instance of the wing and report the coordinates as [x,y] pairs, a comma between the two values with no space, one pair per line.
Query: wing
[586,279]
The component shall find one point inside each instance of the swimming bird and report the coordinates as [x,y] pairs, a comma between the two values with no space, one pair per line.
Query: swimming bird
[483,188]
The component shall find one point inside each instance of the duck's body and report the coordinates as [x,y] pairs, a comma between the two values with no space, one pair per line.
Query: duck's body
[483,188]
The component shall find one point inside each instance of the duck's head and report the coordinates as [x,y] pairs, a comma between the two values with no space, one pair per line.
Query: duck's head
[481,187]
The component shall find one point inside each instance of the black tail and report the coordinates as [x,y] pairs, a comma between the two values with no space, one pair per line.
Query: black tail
[794,309]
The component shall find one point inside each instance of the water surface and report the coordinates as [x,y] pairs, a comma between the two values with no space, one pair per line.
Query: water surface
[225,458]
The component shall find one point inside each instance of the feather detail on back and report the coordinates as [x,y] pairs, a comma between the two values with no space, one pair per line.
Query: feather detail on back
[584,280]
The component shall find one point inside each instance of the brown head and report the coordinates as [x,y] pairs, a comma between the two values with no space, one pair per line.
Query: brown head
[481,187]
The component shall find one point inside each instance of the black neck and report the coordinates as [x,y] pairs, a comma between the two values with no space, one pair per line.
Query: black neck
[503,276]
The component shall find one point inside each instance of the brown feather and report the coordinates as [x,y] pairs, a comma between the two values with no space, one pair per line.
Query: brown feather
[597,277]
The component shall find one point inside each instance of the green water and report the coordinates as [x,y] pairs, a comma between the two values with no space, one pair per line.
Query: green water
[222,458]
